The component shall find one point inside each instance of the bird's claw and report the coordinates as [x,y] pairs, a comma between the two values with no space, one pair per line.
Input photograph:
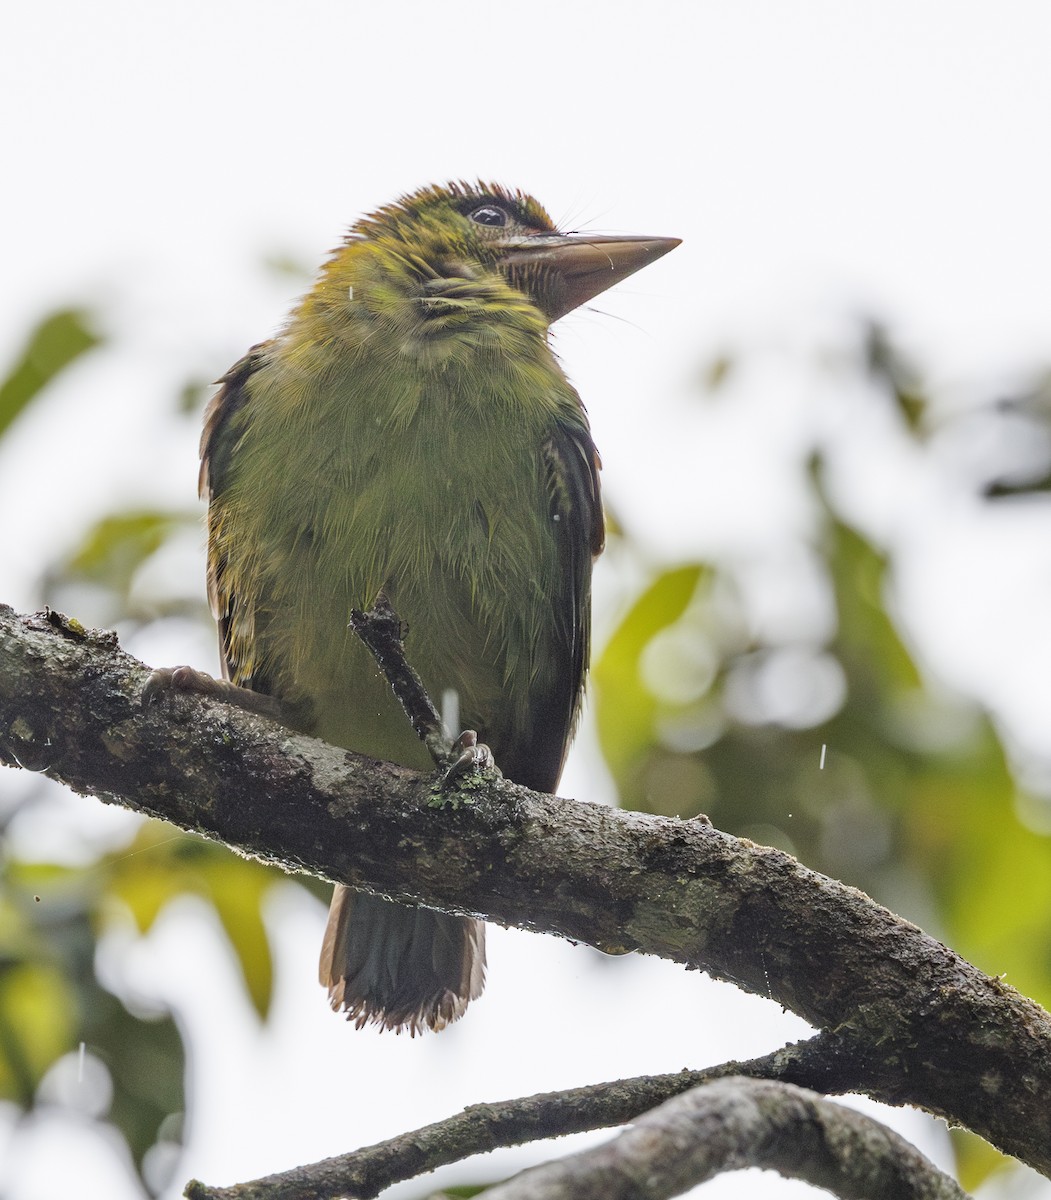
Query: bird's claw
[469,757]
[189,679]
[177,679]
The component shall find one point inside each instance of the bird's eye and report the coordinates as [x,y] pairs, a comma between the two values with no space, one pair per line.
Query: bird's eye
[489,214]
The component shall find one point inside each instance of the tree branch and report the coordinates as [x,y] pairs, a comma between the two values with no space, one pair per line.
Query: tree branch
[485,1127]
[924,1027]
[732,1124]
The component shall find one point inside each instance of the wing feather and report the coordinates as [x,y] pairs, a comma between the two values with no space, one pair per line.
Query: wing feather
[576,513]
[218,443]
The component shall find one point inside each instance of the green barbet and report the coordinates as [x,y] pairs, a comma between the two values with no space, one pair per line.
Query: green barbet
[410,432]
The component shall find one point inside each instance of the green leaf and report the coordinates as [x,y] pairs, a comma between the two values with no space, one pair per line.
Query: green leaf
[107,561]
[36,1026]
[990,870]
[236,888]
[114,548]
[145,1058]
[53,345]
[888,365]
[976,1160]
[626,709]
[51,1002]
[161,865]
[866,640]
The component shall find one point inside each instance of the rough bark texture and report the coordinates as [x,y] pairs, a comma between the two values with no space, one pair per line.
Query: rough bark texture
[926,1027]
[367,1172]
[733,1124]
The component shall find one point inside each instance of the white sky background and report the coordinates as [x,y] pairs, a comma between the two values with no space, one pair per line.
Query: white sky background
[819,159]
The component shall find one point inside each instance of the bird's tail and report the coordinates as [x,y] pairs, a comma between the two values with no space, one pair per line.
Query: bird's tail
[398,966]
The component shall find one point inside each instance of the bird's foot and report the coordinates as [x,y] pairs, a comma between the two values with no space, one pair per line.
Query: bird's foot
[189,679]
[469,760]
[468,756]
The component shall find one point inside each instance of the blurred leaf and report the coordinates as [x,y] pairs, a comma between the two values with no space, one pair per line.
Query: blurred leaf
[114,548]
[192,395]
[53,345]
[146,1061]
[107,562]
[866,639]
[976,1160]
[37,1005]
[287,265]
[161,865]
[35,1026]
[1001,489]
[626,709]
[888,366]
[718,370]
[52,1001]
[614,526]
[991,873]
[236,889]
[899,788]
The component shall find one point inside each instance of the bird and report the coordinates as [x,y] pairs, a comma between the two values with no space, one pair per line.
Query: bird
[409,432]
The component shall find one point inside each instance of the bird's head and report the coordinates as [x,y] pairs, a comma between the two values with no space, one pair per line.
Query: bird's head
[466,230]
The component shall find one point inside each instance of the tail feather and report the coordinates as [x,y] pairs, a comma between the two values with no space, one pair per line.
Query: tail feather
[397,966]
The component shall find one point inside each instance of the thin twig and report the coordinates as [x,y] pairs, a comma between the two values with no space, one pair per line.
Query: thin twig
[380,629]
[731,1124]
[481,1128]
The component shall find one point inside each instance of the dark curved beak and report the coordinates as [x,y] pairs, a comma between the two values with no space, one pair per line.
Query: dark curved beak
[561,271]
